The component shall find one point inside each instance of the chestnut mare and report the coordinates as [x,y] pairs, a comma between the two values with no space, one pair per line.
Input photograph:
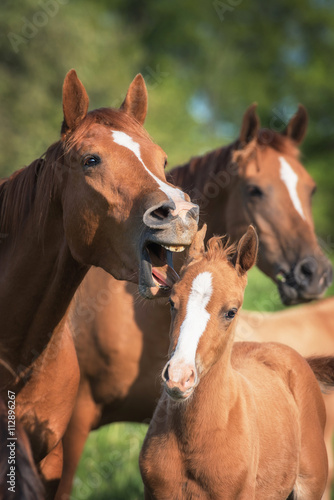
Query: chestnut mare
[122,343]
[98,197]
[235,420]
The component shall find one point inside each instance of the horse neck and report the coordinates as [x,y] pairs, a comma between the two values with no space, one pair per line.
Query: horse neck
[211,402]
[208,179]
[38,279]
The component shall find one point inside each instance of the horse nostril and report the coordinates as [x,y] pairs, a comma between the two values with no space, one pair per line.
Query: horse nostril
[189,382]
[159,215]
[305,271]
[165,374]
[194,213]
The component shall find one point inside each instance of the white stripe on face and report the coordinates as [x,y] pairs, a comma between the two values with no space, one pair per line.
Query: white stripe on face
[125,140]
[290,179]
[196,319]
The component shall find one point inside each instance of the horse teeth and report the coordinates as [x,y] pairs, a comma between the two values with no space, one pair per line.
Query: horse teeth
[174,248]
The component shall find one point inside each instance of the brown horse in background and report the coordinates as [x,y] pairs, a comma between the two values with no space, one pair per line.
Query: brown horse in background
[122,343]
[236,420]
[97,197]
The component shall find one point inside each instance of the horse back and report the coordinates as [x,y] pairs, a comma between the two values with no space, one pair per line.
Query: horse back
[264,363]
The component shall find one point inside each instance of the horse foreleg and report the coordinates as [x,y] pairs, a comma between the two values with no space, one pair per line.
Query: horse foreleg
[84,414]
[51,469]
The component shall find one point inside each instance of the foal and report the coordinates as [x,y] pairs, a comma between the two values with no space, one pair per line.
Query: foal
[238,420]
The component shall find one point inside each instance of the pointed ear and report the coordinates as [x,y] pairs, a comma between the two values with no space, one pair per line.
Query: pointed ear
[297,126]
[250,125]
[135,103]
[245,256]
[197,247]
[75,102]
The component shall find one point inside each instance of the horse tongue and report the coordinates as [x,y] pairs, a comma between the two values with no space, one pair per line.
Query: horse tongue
[165,276]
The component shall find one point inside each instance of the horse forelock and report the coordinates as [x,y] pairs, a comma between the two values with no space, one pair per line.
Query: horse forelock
[279,142]
[113,118]
[220,248]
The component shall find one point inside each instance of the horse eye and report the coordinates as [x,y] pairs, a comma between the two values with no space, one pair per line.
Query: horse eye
[165,163]
[91,161]
[314,190]
[254,191]
[231,313]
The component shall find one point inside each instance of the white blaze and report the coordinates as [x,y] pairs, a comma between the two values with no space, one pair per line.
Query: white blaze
[126,141]
[196,319]
[290,179]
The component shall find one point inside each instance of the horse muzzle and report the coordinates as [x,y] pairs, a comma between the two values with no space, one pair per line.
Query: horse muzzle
[305,281]
[169,227]
[180,380]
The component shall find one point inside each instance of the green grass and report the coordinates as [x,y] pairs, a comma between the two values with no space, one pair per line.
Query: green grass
[109,466]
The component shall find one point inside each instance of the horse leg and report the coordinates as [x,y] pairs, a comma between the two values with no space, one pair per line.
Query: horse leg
[84,414]
[51,469]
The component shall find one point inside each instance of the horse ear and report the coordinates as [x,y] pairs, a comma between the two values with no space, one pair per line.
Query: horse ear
[197,247]
[245,256]
[250,125]
[75,102]
[135,103]
[297,126]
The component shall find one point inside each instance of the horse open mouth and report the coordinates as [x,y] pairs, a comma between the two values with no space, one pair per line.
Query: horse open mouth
[157,272]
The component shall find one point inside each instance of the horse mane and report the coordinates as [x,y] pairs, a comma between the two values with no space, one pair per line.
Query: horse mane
[33,187]
[196,173]
[220,248]
[18,192]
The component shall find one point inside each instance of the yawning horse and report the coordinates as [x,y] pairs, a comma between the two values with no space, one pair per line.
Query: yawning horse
[236,420]
[122,343]
[97,197]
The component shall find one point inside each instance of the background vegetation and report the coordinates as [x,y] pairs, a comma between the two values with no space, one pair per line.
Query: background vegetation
[204,62]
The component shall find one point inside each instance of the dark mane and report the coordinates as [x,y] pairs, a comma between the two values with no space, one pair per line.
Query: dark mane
[193,175]
[33,187]
[18,192]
